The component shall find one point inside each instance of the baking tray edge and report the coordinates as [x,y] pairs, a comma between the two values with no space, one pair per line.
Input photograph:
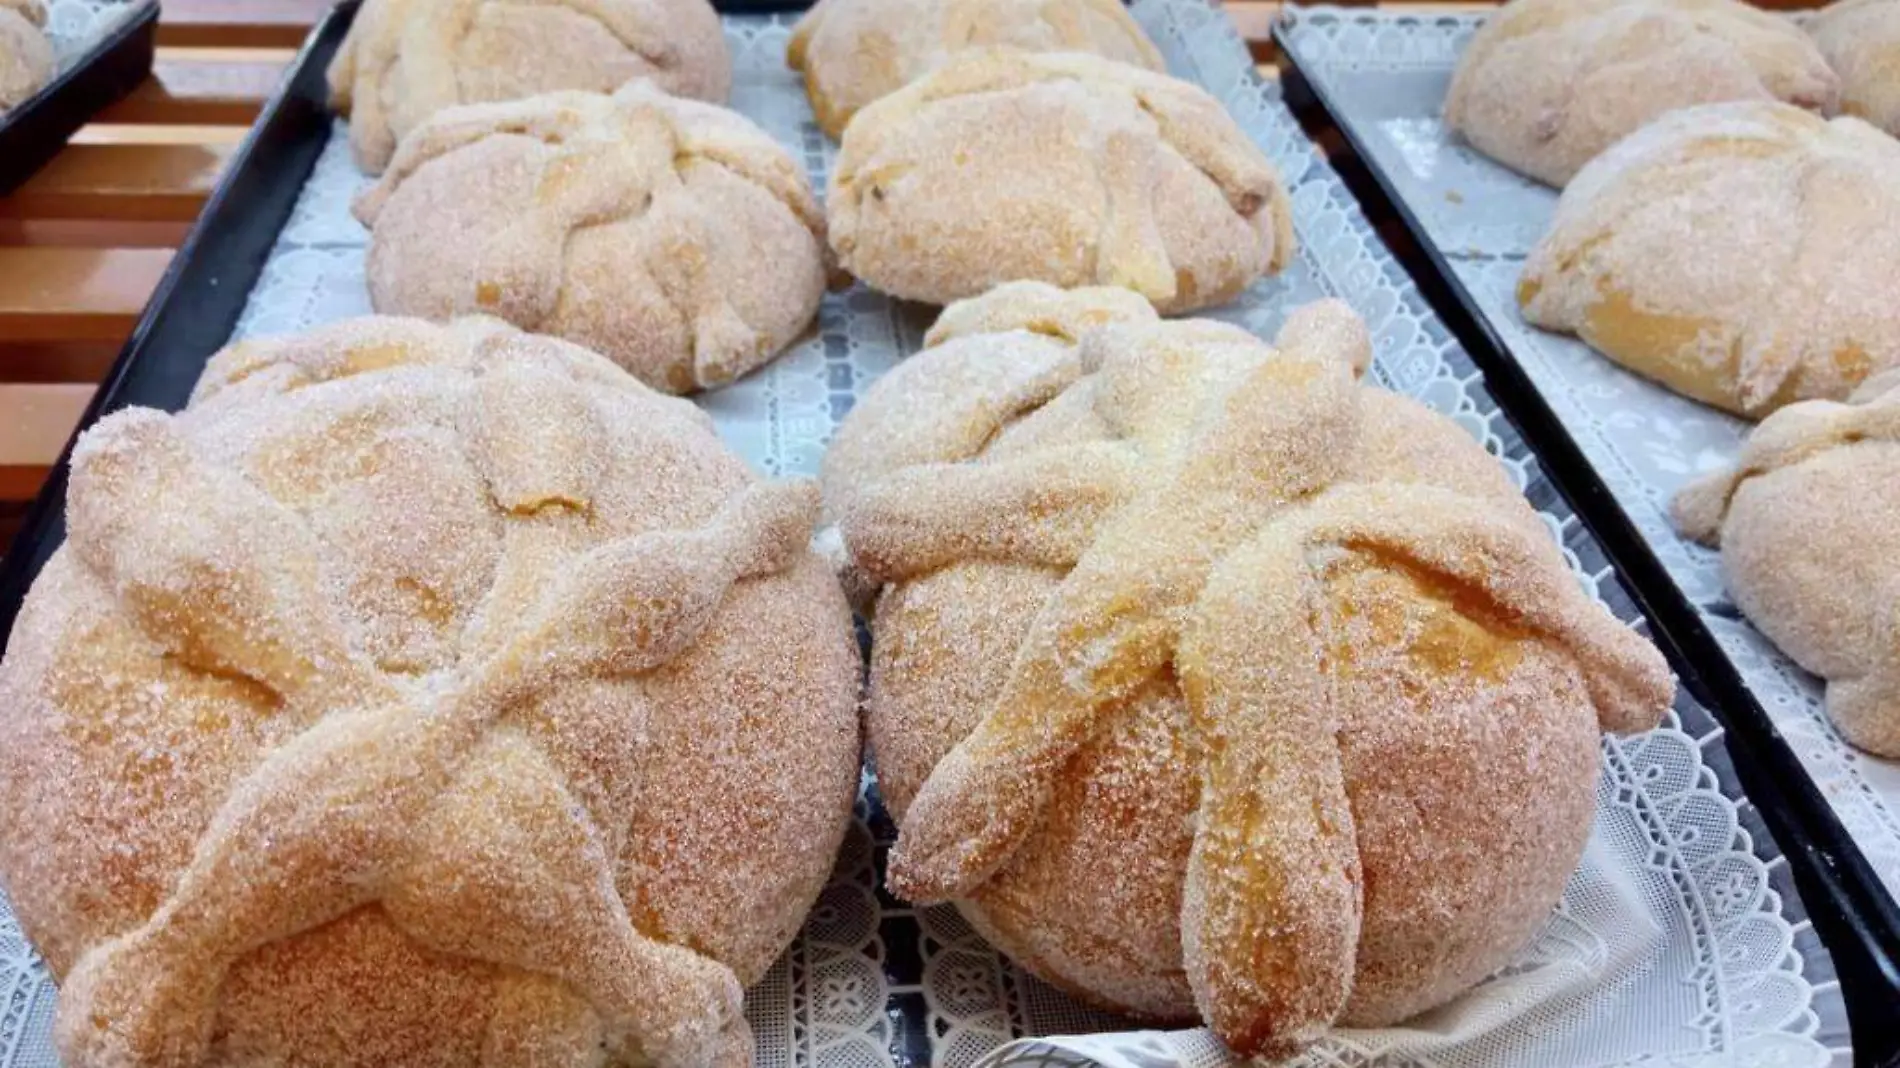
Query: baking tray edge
[1855,916]
[34,132]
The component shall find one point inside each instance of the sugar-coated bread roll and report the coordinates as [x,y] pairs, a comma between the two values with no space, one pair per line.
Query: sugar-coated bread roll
[405,60]
[421,696]
[1210,683]
[1545,85]
[26,56]
[1057,167]
[852,52]
[1742,254]
[1861,40]
[671,235]
[1808,521]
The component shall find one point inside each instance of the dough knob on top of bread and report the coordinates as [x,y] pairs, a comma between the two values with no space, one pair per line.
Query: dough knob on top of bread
[1742,254]
[1203,675]
[1545,85]
[26,55]
[852,52]
[1861,40]
[1808,521]
[405,60]
[1058,167]
[671,235]
[389,705]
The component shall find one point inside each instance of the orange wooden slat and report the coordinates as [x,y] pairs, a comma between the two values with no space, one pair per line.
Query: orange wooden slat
[131,182]
[92,233]
[198,91]
[56,361]
[246,23]
[75,294]
[35,421]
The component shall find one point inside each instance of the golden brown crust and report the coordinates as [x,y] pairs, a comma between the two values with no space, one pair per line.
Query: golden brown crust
[26,55]
[438,655]
[1215,613]
[1546,85]
[671,235]
[1741,254]
[852,52]
[404,60]
[1861,40]
[1808,520]
[1063,168]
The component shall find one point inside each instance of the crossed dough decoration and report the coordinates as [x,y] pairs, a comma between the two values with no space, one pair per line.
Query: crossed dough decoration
[1214,498]
[398,796]
[1825,471]
[401,62]
[610,160]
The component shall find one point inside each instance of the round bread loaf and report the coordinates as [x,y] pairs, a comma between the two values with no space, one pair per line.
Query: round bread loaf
[1742,254]
[1545,85]
[1210,683]
[421,696]
[852,52]
[1056,167]
[405,60]
[26,56]
[673,236]
[1808,521]
[1861,40]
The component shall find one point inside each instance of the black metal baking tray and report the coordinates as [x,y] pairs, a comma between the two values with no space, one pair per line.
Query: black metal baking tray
[1853,912]
[39,127]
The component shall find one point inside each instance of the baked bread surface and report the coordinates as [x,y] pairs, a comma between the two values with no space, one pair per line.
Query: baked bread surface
[1546,85]
[1059,167]
[1209,683]
[1742,254]
[421,695]
[405,60]
[1808,521]
[671,235]
[852,52]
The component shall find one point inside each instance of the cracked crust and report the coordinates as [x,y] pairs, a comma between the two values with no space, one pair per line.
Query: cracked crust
[405,60]
[853,52]
[26,56]
[1742,254]
[1063,168]
[1808,521]
[671,235]
[1210,683]
[389,705]
[1861,40]
[1546,85]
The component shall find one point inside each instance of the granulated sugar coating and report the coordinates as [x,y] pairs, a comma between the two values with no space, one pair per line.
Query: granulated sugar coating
[1209,682]
[1808,520]
[423,695]
[1861,40]
[405,60]
[1741,254]
[1059,167]
[1545,85]
[674,237]
[852,52]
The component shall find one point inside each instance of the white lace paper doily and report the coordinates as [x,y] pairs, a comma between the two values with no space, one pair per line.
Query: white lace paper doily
[75,26]
[1679,939]
[1386,74]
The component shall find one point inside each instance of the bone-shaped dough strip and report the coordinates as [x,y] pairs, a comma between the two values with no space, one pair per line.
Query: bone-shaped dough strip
[1271,910]
[213,569]
[1044,508]
[1786,438]
[1113,622]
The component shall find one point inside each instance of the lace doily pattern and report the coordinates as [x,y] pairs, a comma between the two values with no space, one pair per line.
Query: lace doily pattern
[74,26]
[1386,75]
[1682,907]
